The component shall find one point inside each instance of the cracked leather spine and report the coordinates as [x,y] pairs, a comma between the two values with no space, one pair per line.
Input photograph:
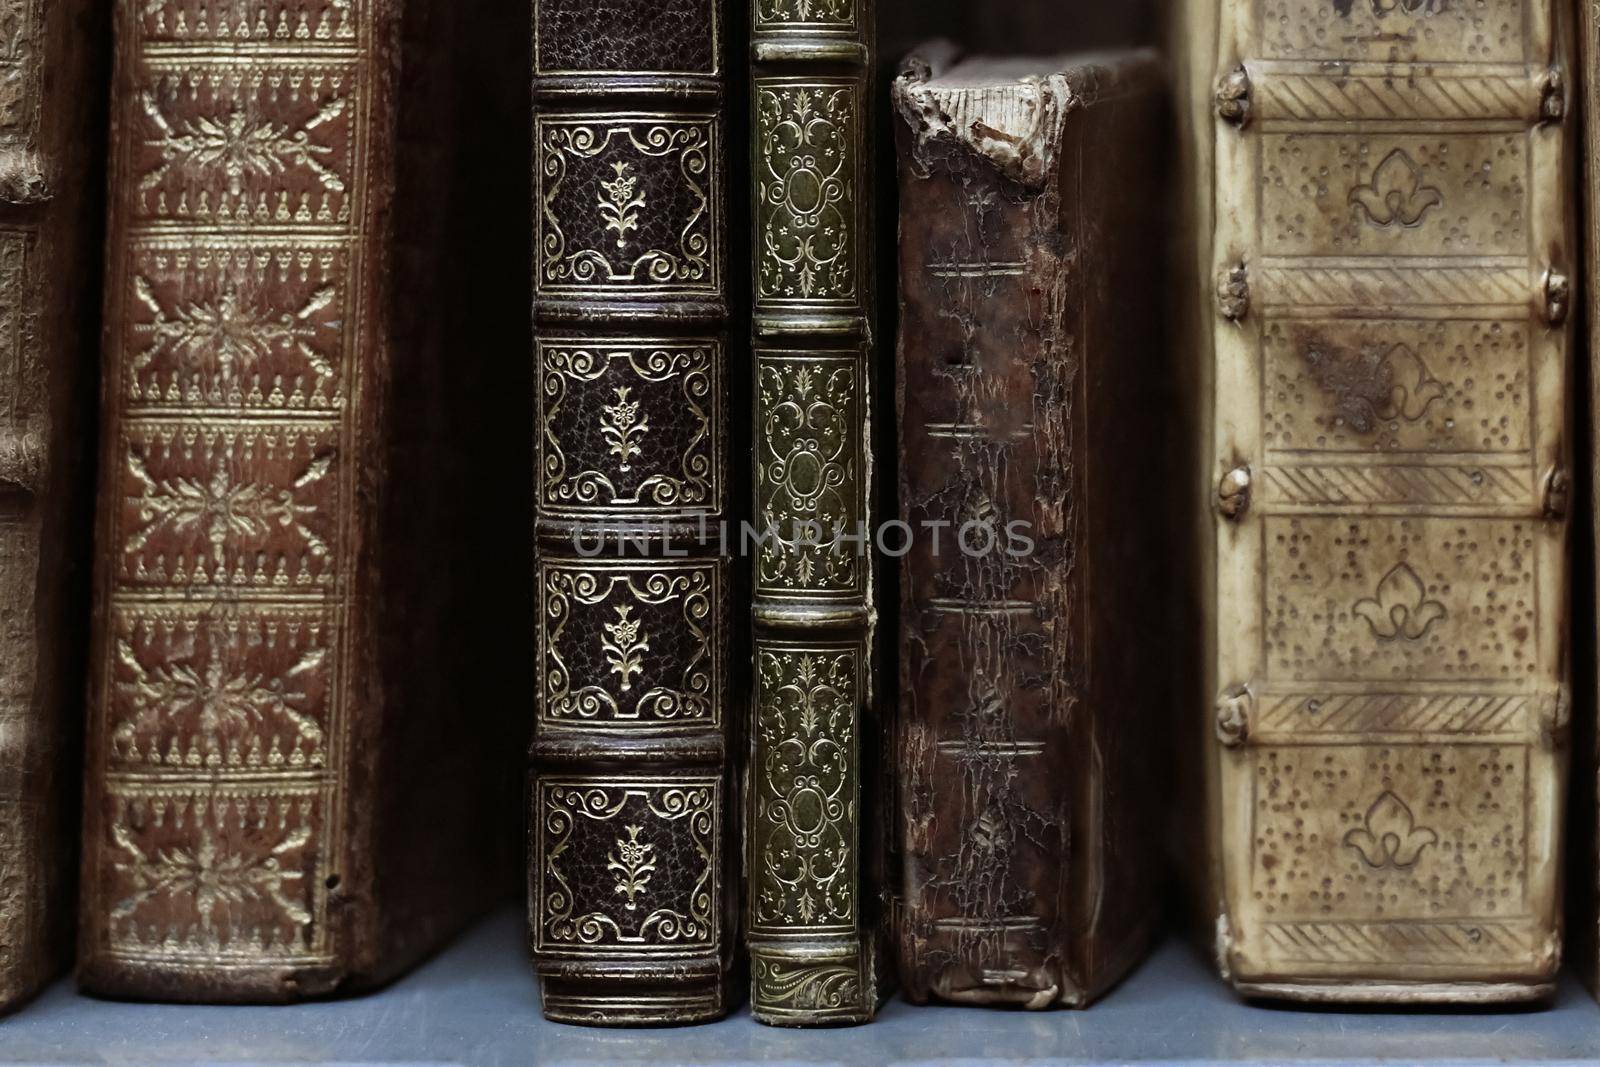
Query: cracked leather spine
[52,78]
[1030,217]
[633,872]
[815,921]
[1387,447]
[279,769]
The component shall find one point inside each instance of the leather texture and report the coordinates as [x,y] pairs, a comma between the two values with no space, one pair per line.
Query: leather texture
[52,75]
[816,909]
[1039,577]
[1385,297]
[296,786]
[632,870]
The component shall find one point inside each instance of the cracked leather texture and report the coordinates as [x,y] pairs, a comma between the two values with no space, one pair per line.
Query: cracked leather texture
[1031,806]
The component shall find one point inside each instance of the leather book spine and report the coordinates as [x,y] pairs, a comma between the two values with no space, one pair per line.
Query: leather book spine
[633,876]
[814,920]
[275,792]
[1029,209]
[52,73]
[1390,443]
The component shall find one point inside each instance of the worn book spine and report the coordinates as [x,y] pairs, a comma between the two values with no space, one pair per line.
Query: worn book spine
[1038,582]
[52,80]
[1390,444]
[813,837]
[633,876]
[283,799]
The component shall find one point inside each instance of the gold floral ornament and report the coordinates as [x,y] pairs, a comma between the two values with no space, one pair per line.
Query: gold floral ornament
[619,204]
[229,331]
[240,144]
[1396,195]
[625,645]
[622,427]
[1390,836]
[1402,608]
[633,864]
[213,876]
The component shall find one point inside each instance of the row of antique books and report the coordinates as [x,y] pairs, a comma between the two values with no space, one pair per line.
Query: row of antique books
[1204,502]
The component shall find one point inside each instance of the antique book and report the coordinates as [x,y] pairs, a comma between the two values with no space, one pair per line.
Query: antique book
[51,150]
[815,831]
[295,784]
[1037,581]
[1385,201]
[633,877]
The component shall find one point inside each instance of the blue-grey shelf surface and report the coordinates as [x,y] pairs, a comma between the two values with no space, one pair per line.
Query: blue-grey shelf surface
[476,1004]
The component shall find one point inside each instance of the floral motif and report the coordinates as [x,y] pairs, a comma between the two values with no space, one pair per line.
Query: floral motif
[805,193]
[213,876]
[1389,836]
[805,830]
[674,476]
[1396,195]
[1374,384]
[808,488]
[634,867]
[229,331]
[810,12]
[223,506]
[1381,8]
[220,697]
[622,427]
[575,909]
[689,590]
[1401,609]
[619,204]
[690,265]
[625,645]
[240,145]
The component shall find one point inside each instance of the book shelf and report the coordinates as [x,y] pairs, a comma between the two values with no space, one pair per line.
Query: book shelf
[477,1005]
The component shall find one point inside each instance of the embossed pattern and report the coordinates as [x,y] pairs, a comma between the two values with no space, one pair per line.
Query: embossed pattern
[1394,600]
[223,711]
[631,902]
[811,937]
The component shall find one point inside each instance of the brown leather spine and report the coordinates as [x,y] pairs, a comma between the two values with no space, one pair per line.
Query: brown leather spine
[289,793]
[52,58]
[633,861]
[1036,589]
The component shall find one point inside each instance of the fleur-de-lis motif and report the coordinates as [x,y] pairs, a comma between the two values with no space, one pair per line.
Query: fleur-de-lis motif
[621,425]
[619,203]
[1396,195]
[1401,608]
[1389,835]
[1364,384]
[633,864]
[625,645]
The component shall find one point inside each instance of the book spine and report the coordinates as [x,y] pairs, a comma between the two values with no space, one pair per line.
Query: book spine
[632,889]
[250,173]
[51,84]
[1391,491]
[812,921]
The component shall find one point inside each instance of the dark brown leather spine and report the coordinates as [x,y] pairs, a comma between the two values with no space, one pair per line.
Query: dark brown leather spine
[290,792]
[52,58]
[1032,396]
[633,871]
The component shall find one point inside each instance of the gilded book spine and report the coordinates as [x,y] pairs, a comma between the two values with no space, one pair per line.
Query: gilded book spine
[259,750]
[632,892]
[1391,447]
[51,58]
[812,917]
